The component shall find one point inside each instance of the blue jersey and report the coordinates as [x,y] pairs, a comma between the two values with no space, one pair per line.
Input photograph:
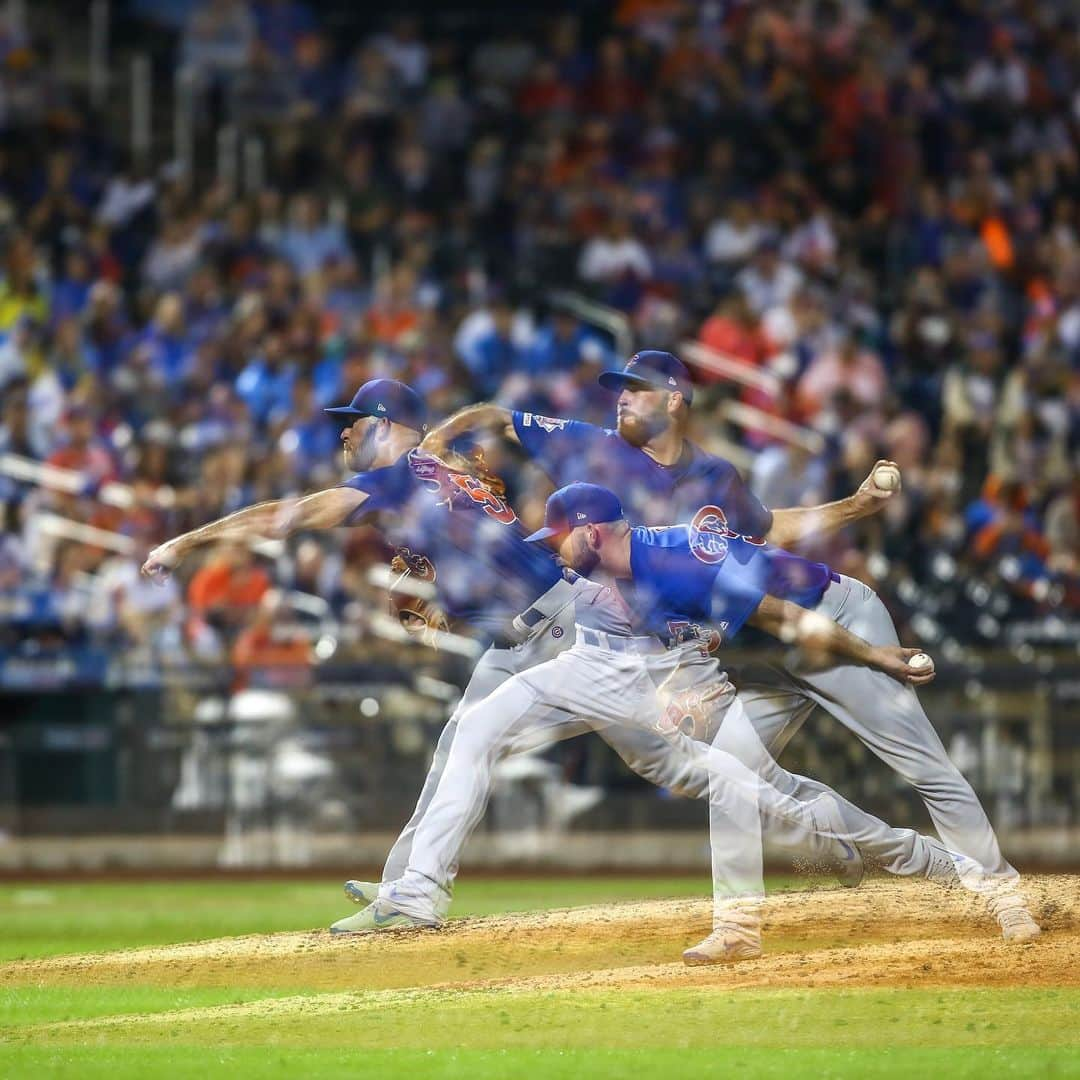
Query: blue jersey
[703,574]
[472,541]
[679,583]
[699,487]
[654,494]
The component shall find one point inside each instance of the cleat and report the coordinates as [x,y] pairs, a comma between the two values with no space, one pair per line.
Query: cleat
[945,867]
[725,945]
[843,858]
[847,864]
[1018,926]
[362,892]
[381,916]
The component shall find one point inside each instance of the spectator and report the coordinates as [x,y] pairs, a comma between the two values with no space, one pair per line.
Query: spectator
[495,355]
[310,241]
[218,38]
[849,367]
[227,589]
[615,256]
[760,175]
[81,449]
[768,280]
[734,238]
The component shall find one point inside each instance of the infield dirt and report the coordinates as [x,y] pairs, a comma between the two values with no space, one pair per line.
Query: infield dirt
[885,934]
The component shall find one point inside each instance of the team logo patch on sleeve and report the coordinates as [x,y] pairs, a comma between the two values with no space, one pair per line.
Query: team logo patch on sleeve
[709,535]
[547,423]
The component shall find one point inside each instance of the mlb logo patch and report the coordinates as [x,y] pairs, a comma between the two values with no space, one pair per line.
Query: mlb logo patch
[549,423]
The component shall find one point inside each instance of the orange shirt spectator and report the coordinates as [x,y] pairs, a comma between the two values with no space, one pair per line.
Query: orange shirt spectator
[230,582]
[256,647]
[733,331]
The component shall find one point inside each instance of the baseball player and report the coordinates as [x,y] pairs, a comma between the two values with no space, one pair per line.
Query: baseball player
[660,476]
[456,530]
[644,660]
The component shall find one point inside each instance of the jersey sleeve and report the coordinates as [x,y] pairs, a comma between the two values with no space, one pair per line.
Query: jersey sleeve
[746,513]
[549,440]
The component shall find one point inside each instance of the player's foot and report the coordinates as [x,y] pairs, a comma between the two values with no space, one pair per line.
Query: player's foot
[843,858]
[725,945]
[1018,925]
[380,916]
[362,892]
[945,867]
[846,863]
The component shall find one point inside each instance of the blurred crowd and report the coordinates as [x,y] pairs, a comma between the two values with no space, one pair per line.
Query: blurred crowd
[871,209]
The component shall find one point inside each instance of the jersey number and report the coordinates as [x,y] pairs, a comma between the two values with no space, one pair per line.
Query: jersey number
[478,491]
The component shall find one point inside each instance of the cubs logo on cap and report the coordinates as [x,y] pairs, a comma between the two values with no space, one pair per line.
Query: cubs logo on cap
[575,505]
[651,367]
[386,398]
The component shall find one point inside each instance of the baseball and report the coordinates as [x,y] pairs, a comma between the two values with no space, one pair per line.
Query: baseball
[920,660]
[887,477]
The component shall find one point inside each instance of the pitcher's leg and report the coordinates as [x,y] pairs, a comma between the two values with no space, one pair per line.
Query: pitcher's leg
[492,669]
[460,798]
[899,851]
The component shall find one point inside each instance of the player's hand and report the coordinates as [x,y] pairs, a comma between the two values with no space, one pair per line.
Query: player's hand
[893,660]
[161,562]
[870,495]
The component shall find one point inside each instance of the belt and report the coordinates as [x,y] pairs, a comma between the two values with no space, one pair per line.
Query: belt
[619,643]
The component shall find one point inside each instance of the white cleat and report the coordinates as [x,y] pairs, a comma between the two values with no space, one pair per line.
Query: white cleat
[1018,925]
[843,859]
[945,867]
[725,945]
[847,864]
[362,892]
[381,916]
[949,868]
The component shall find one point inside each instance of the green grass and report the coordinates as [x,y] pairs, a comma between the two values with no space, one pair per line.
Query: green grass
[592,1034]
[865,1063]
[54,919]
[22,1005]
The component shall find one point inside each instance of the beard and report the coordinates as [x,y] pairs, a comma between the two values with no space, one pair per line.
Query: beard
[638,430]
[584,559]
[362,456]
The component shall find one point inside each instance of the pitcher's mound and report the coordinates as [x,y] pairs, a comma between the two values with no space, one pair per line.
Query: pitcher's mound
[886,933]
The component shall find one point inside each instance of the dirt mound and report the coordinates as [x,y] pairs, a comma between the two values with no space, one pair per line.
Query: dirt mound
[887,933]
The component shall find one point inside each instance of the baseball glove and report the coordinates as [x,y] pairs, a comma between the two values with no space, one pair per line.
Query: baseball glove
[435,467]
[412,596]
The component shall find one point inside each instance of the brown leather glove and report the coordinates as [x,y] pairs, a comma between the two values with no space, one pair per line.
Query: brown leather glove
[436,466]
[418,614]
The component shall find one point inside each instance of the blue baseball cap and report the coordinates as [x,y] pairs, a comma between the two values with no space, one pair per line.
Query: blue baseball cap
[663,370]
[574,505]
[387,399]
